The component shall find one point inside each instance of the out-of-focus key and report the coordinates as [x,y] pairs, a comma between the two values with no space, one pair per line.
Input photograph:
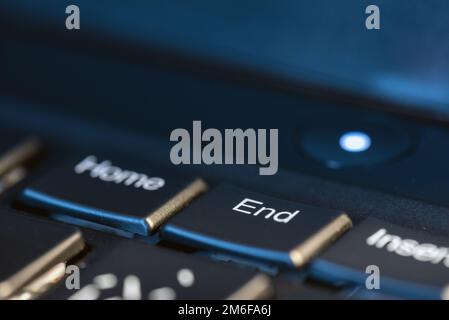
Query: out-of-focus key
[289,289]
[131,197]
[399,261]
[136,271]
[248,224]
[16,153]
[33,253]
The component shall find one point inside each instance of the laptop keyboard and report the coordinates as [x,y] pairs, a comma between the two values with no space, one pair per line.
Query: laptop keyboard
[91,207]
[138,230]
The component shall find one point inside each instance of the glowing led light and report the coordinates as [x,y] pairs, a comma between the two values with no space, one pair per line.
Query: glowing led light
[355,141]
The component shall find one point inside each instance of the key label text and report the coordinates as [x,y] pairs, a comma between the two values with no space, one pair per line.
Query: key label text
[105,171]
[425,252]
[247,206]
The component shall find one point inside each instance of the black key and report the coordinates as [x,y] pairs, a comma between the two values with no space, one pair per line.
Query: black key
[130,197]
[135,271]
[411,264]
[248,224]
[30,247]
[16,154]
[289,289]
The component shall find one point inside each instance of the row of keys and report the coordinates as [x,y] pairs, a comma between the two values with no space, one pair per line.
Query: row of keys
[35,253]
[133,198]
[127,270]
[38,251]
[136,271]
[229,220]
[136,199]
